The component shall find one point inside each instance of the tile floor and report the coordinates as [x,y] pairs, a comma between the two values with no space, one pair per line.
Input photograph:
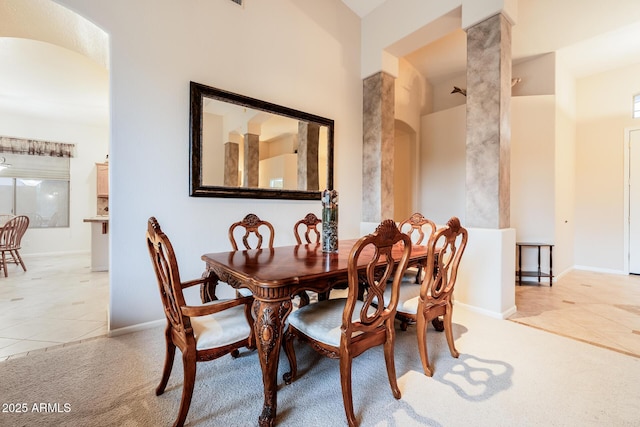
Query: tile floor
[601,309]
[59,301]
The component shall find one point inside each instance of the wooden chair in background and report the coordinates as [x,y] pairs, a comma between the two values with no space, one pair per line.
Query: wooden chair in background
[201,333]
[445,249]
[311,233]
[253,228]
[419,230]
[11,234]
[345,328]
[252,238]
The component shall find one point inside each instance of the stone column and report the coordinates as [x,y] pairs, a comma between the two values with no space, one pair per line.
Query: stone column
[308,141]
[488,123]
[377,150]
[231,159]
[251,160]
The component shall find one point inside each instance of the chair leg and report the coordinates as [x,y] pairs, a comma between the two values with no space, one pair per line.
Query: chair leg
[287,345]
[390,361]
[304,298]
[421,330]
[18,258]
[449,332]
[189,365]
[4,263]
[347,393]
[168,361]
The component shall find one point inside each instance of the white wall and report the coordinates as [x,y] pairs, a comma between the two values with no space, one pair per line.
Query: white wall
[306,56]
[603,111]
[443,165]
[565,169]
[91,147]
[533,172]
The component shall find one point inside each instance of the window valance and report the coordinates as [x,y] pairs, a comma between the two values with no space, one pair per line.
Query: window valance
[35,147]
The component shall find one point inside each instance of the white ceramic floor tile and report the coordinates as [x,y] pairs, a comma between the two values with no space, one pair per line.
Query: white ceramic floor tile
[57,301]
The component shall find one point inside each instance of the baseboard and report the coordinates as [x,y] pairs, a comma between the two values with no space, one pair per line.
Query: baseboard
[496,315]
[53,254]
[599,270]
[136,328]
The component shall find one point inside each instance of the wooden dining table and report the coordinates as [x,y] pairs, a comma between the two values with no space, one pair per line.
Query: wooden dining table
[275,276]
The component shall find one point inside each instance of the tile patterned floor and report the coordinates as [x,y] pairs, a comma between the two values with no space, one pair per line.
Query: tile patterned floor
[57,301]
[601,309]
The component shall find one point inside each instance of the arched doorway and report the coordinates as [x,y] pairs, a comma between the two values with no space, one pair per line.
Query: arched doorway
[59,92]
[405,176]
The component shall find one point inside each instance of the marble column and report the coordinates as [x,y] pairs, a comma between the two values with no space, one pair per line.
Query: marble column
[488,123]
[308,142]
[251,160]
[377,150]
[231,159]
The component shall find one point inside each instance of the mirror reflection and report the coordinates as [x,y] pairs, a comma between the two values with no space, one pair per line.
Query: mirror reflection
[243,147]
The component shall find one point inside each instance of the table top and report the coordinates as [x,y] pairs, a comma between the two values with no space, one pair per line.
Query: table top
[289,265]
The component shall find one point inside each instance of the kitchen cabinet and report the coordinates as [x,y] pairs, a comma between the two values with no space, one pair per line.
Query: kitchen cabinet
[102,172]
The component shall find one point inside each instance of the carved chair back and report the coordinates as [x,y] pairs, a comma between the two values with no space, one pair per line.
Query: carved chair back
[382,270]
[419,228]
[415,227]
[446,247]
[311,222]
[252,226]
[362,324]
[165,267]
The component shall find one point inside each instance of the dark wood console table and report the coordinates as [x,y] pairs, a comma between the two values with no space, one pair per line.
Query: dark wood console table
[539,273]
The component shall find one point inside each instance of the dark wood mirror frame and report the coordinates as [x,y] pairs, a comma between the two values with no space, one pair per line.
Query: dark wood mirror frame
[198,189]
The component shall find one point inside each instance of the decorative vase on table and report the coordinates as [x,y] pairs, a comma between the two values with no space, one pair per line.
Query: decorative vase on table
[329,221]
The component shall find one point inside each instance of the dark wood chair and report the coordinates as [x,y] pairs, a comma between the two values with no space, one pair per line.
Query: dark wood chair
[311,233]
[201,333]
[345,328]
[252,237]
[250,232]
[419,228]
[11,234]
[445,249]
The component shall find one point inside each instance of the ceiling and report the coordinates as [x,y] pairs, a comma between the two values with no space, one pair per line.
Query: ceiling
[591,38]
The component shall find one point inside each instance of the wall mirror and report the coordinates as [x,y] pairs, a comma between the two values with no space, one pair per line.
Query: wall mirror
[245,147]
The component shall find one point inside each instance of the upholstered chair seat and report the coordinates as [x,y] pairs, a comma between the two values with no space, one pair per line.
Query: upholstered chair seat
[323,323]
[220,329]
[409,296]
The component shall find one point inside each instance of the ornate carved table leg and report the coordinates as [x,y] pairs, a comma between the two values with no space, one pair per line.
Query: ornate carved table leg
[269,325]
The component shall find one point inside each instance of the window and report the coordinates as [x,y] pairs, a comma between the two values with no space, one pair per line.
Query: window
[276,183]
[38,187]
[636,106]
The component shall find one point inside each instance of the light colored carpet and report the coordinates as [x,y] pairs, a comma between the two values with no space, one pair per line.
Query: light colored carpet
[507,375]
